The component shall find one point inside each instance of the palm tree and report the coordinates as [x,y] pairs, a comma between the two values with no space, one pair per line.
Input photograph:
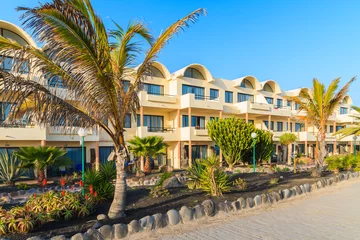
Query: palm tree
[150,146]
[286,139]
[318,104]
[40,158]
[353,130]
[92,64]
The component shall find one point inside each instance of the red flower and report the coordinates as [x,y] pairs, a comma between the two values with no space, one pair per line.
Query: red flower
[44,182]
[62,182]
[63,193]
[95,194]
[81,183]
[91,189]
[35,195]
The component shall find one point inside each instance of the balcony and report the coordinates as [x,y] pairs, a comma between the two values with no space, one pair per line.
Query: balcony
[157,100]
[204,102]
[21,132]
[253,107]
[194,134]
[169,134]
[69,134]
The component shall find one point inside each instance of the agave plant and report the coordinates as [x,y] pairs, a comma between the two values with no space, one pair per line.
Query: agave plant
[68,214]
[9,168]
[25,224]
[3,226]
[12,224]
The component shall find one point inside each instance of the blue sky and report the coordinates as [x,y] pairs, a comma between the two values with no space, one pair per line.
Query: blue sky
[289,41]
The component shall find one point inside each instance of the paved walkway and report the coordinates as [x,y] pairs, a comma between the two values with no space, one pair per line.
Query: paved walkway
[332,213]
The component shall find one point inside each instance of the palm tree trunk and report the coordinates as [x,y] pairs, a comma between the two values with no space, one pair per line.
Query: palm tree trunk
[147,167]
[41,175]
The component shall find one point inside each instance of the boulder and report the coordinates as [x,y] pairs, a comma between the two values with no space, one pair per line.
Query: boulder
[314,187]
[93,234]
[174,217]
[199,211]
[258,200]
[302,188]
[120,230]
[13,194]
[250,202]
[59,237]
[78,236]
[277,196]
[22,192]
[160,220]
[286,193]
[172,182]
[209,207]
[293,191]
[96,225]
[101,217]
[236,205]
[329,182]
[307,187]
[298,190]
[37,238]
[268,198]
[242,202]
[134,227]
[107,232]
[147,223]
[186,214]
[224,207]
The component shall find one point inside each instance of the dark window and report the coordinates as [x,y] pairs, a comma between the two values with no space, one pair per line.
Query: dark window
[198,122]
[331,128]
[272,126]
[185,120]
[7,64]
[279,103]
[343,110]
[266,124]
[193,73]
[299,127]
[198,91]
[246,84]
[198,151]
[55,81]
[153,89]
[297,106]
[339,128]
[245,97]
[4,110]
[214,94]
[104,153]
[289,103]
[127,121]
[126,85]
[228,97]
[213,118]
[154,123]
[269,100]
[268,88]
[251,122]
[279,126]
[155,72]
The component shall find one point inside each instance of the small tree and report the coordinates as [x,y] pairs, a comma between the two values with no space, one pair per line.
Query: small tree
[264,147]
[148,147]
[40,158]
[287,139]
[233,136]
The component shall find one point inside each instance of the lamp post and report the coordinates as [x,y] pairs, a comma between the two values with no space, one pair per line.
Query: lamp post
[354,147]
[253,136]
[82,133]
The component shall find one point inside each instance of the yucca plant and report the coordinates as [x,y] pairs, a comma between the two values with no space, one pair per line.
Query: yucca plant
[92,64]
[9,168]
[195,172]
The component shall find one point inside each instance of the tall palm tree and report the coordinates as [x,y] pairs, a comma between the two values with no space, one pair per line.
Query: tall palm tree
[40,158]
[92,64]
[318,104]
[353,130]
[150,146]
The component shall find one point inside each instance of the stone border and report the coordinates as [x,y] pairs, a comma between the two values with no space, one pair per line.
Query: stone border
[207,209]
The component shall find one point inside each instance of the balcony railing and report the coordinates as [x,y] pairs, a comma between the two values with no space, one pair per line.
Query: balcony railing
[206,98]
[16,125]
[160,94]
[160,129]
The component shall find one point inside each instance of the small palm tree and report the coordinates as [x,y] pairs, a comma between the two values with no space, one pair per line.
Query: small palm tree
[353,130]
[286,139]
[151,146]
[40,158]
[318,104]
[9,168]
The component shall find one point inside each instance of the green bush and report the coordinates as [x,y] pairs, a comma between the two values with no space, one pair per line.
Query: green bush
[240,183]
[342,162]
[263,149]
[274,181]
[159,191]
[23,186]
[207,175]
[285,169]
[163,177]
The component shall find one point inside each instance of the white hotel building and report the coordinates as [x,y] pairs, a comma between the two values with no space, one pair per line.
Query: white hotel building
[177,107]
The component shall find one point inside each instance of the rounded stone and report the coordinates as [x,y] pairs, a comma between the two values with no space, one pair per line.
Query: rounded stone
[199,211]
[134,227]
[107,232]
[293,191]
[78,236]
[298,190]
[307,187]
[314,187]
[160,220]
[286,193]
[277,196]
[258,200]
[147,223]
[101,217]
[186,214]
[250,202]
[37,238]
[173,216]
[242,202]
[59,237]
[209,207]
[224,207]
[302,188]
[96,225]
[236,205]
[93,234]
[120,230]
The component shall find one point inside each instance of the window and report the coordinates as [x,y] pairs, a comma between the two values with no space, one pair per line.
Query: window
[339,128]
[279,126]
[251,122]
[55,81]
[289,103]
[246,84]
[228,97]
[185,121]
[343,110]
[214,118]
[198,91]
[153,89]
[299,127]
[267,125]
[301,148]
[153,122]
[330,147]
[8,63]
[272,125]
[104,153]
[331,129]
[245,97]
[126,85]
[279,103]
[155,72]
[267,88]
[214,94]
[197,151]
[10,34]
[297,106]
[127,121]
[193,73]
[269,100]
[198,122]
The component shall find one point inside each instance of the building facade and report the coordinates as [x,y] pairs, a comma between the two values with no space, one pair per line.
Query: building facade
[177,107]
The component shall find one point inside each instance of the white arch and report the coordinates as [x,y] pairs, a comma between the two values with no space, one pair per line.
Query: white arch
[348,100]
[254,81]
[16,29]
[273,84]
[201,68]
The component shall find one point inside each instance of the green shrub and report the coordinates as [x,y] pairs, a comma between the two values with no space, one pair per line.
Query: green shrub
[342,162]
[159,191]
[264,148]
[240,183]
[285,169]
[276,169]
[23,186]
[195,172]
[9,168]
[163,177]
[274,181]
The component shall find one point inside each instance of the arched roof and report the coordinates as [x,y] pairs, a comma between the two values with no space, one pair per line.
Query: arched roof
[17,30]
[254,81]
[274,85]
[348,100]
[201,68]
[162,69]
